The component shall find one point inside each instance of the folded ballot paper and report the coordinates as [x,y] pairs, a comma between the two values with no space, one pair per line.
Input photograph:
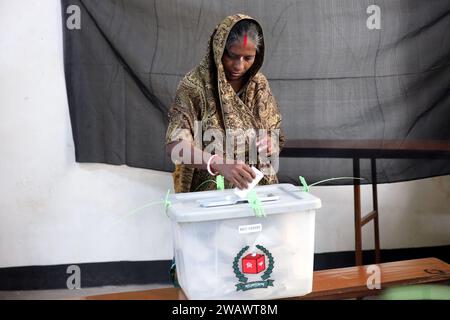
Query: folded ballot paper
[239,196]
[243,193]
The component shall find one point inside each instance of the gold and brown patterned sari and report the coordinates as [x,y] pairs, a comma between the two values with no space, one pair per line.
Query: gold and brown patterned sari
[205,95]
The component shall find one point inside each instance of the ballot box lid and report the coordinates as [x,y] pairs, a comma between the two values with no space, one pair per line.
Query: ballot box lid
[224,204]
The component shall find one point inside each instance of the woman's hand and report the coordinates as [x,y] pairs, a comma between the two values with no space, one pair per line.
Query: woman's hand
[265,144]
[239,173]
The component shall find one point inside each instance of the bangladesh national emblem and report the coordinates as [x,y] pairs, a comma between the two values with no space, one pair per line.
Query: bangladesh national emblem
[253,264]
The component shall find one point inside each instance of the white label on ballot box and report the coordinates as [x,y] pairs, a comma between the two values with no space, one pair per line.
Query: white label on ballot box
[250,228]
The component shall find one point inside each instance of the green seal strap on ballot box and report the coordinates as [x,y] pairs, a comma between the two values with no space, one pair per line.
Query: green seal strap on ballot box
[303,182]
[166,201]
[265,282]
[220,182]
[256,204]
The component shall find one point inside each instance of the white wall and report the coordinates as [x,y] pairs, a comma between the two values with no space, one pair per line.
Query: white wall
[56,211]
[412,214]
[52,209]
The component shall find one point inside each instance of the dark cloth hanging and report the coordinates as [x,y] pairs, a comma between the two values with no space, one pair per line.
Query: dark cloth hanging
[333,76]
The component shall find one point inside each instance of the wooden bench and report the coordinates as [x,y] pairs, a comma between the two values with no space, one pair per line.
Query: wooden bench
[343,283]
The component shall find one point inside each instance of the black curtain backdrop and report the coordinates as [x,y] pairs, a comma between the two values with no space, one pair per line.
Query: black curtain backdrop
[333,77]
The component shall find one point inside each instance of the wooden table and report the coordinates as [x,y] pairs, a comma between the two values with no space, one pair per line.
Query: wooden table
[366,149]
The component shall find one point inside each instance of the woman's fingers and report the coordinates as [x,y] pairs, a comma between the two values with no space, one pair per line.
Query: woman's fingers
[240,175]
[264,145]
[250,172]
[261,141]
[240,182]
[247,175]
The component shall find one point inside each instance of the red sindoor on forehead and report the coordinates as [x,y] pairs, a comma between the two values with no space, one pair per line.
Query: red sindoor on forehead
[245,40]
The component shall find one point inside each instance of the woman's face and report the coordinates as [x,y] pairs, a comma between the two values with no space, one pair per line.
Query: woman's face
[238,59]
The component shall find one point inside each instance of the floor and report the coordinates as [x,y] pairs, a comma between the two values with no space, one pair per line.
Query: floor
[72,294]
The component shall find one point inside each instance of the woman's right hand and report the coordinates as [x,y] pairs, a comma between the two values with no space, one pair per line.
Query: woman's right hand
[239,173]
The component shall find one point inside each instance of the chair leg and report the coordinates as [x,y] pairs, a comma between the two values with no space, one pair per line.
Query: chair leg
[357,205]
[375,208]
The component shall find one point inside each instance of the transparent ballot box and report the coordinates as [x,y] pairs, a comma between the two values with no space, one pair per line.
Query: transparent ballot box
[224,251]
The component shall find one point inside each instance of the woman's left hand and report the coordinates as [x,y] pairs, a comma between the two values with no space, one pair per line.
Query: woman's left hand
[266,145]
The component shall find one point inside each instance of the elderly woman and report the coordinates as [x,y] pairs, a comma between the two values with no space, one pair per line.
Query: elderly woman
[227,95]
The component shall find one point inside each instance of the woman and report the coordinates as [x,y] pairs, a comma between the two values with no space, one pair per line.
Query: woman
[228,95]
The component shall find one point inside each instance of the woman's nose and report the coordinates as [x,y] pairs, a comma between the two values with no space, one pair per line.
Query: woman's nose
[239,63]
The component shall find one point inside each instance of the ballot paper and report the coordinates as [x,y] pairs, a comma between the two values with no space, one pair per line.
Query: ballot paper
[243,193]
